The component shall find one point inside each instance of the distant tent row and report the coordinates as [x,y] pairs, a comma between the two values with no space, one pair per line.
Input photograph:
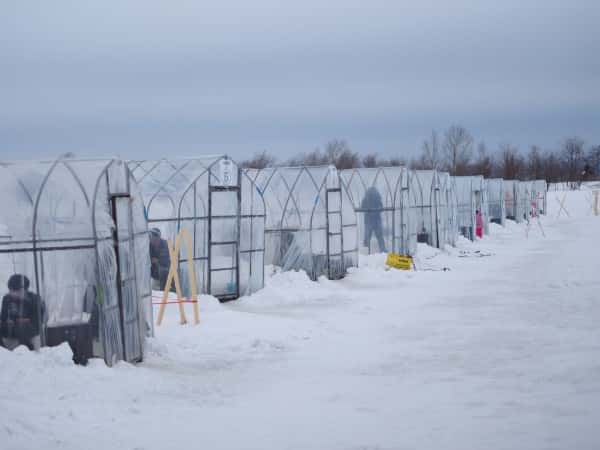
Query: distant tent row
[78,229]
[522,198]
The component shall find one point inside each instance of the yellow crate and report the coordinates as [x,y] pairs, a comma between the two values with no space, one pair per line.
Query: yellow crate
[399,261]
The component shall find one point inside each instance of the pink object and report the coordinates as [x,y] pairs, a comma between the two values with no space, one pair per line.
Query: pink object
[479,224]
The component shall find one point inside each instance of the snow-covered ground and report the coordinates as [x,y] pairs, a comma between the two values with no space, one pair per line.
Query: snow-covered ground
[491,345]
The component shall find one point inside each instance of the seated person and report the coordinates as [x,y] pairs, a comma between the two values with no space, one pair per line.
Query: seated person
[21,315]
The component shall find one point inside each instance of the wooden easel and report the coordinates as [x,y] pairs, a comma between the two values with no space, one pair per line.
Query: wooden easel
[173,276]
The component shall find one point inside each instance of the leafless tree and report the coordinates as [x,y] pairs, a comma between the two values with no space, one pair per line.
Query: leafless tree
[484,163]
[535,164]
[260,160]
[337,153]
[552,168]
[394,161]
[458,149]
[431,157]
[572,156]
[374,160]
[314,158]
[370,160]
[593,161]
[340,155]
[511,162]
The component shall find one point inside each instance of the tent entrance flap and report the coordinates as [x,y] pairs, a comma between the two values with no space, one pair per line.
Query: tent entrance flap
[335,235]
[224,205]
[126,277]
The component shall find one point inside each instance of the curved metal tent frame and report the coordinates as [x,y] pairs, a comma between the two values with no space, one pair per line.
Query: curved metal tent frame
[471,195]
[510,198]
[310,224]
[540,188]
[496,200]
[448,189]
[392,188]
[523,198]
[77,233]
[433,197]
[219,205]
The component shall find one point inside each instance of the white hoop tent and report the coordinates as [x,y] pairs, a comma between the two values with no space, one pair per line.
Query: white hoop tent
[451,216]
[433,201]
[311,224]
[496,200]
[540,188]
[510,198]
[219,205]
[471,195]
[76,229]
[385,208]
[523,199]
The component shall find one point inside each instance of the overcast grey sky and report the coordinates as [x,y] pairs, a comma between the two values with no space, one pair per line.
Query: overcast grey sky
[150,78]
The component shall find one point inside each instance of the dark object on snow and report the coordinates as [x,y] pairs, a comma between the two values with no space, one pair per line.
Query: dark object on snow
[79,336]
[423,237]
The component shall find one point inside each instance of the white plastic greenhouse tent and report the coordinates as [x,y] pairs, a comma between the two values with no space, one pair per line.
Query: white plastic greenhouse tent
[510,198]
[310,220]
[523,200]
[219,205]
[496,200]
[472,197]
[76,230]
[451,212]
[433,202]
[385,208]
[540,188]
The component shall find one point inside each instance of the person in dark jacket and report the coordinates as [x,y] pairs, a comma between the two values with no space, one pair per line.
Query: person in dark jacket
[159,257]
[372,205]
[21,315]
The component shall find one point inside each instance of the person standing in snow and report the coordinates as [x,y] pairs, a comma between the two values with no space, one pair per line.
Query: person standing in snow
[21,315]
[478,224]
[159,257]
[372,205]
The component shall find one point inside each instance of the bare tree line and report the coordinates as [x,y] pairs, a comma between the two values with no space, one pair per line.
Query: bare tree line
[456,151]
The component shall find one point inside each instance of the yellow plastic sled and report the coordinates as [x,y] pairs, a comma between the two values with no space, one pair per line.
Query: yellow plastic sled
[400,262]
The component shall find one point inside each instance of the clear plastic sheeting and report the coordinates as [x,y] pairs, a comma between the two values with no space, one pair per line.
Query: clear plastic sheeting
[540,189]
[471,197]
[76,229]
[448,189]
[510,198]
[523,200]
[310,220]
[496,200]
[383,203]
[223,212]
[434,205]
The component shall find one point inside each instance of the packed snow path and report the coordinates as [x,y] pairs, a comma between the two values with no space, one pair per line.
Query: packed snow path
[500,352]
